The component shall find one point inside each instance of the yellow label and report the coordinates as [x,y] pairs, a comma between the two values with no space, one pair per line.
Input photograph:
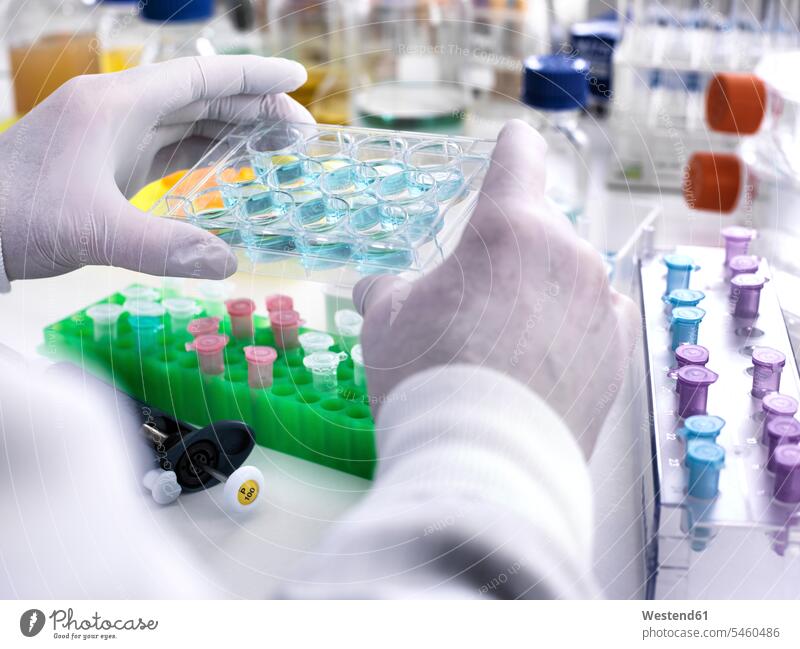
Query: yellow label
[248,492]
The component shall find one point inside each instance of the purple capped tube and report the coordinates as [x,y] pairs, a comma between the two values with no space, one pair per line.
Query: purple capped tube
[693,382]
[746,294]
[767,367]
[776,405]
[737,241]
[787,474]
[687,354]
[781,431]
[744,264]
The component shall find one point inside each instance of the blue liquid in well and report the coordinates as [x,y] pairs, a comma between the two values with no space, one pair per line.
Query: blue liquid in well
[383,259]
[321,214]
[324,243]
[386,167]
[448,185]
[296,175]
[217,221]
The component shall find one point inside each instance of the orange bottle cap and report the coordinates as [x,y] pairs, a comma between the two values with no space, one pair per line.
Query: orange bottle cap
[713,181]
[736,103]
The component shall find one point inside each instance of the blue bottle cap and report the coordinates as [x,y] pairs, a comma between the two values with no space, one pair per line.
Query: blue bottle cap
[704,455]
[555,82]
[685,297]
[705,427]
[688,314]
[177,10]
[679,262]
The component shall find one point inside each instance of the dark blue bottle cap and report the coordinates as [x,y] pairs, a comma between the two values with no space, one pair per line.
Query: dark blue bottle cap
[178,10]
[555,82]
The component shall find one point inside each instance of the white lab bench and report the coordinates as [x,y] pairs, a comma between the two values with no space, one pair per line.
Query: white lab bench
[301,499]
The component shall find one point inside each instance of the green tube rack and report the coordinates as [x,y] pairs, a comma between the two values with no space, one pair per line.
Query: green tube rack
[333,430]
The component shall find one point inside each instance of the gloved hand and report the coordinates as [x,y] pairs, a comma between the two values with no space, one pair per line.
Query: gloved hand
[66,164]
[521,294]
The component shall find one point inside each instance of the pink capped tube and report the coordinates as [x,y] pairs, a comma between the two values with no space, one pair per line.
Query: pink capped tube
[241,312]
[285,326]
[209,352]
[260,360]
[203,326]
[279,302]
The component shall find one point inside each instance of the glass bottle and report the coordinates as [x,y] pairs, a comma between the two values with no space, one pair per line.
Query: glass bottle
[51,41]
[407,59]
[179,28]
[121,35]
[556,88]
[310,31]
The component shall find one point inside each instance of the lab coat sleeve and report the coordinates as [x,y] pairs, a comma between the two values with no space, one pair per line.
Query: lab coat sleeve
[5,285]
[480,492]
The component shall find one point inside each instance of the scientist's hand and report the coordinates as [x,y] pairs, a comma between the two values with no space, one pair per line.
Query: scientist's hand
[67,164]
[521,294]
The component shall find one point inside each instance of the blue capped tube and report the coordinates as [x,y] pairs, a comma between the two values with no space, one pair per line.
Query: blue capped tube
[685,325]
[704,460]
[679,270]
[703,427]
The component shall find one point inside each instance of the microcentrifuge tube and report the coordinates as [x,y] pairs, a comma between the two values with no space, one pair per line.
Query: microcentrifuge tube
[359,374]
[767,368]
[348,324]
[209,352]
[181,311]
[787,474]
[241,312]
[213,294]
[146,318]
[323,366]
[780,431]
[688,354]
[704,460]
[315,341]
[774,405]
[737,241]
[279,302]
[139,292]
[693,382]
[683,297]
[685,325]
[679,270]
[285,325]
[705,427]
[746,294]
[260,362]
[104,319]
[743,264]
[172,287]
[203,326]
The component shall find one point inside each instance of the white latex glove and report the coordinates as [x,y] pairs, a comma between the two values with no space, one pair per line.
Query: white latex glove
[521,294]
[65,166]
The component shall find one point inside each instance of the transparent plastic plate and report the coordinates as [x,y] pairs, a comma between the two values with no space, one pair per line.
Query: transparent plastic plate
[332,203]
